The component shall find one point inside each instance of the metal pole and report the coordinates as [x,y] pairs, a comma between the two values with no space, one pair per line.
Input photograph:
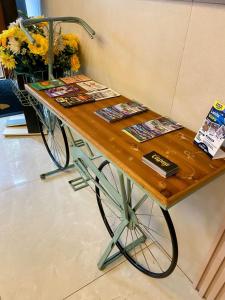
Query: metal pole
[50,51]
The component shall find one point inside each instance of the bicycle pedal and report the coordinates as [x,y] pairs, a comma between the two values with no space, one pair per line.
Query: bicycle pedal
[78,183]
[79,143]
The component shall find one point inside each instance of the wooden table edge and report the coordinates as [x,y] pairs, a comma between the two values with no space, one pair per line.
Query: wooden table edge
[165,202]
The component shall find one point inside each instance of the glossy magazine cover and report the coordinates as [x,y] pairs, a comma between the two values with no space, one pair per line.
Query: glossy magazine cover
[211,135]
[151,129]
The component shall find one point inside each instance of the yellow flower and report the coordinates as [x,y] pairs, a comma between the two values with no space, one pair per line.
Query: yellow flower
[20,35]
[42,24]
[13,32]
[75,64]
[3,40]
[40,45]
[14,45]
[71,40]
[9,32]
[7,60]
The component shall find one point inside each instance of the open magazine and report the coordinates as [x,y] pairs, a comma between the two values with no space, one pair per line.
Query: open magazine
[44,85]
[63,91]
[75,79]
[120,111]
[74,100]
[151,129]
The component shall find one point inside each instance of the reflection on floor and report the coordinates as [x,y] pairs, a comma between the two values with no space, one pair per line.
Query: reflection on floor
[51,237]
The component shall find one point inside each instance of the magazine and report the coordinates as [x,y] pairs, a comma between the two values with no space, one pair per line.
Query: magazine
[103,94]
[74,100]
[211,136]
[63,90]
[120,111]
[91,86]
[75,79]
[43,85]
[151,129]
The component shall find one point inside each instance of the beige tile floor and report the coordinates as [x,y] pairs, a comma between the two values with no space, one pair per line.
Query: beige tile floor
[51,238]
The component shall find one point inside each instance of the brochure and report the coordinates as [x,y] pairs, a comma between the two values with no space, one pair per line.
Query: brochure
[211,136]
[103,94]
[63,90]
[151,129]
[43,85]
[91,86]
[120,111]
[74,100]
[75,79]
[160,164]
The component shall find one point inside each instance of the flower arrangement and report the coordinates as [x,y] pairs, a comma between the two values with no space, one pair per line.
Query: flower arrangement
[17,53]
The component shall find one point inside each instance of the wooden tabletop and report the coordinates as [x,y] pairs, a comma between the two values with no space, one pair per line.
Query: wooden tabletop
[196,168]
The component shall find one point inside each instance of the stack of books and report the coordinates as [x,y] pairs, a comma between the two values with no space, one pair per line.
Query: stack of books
[160,164]
[120,111]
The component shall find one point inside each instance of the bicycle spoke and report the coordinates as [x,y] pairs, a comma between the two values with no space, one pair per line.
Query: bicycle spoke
[113,178]
[154,257]
[143,252]
[147,230]
[159,245]
[150,214]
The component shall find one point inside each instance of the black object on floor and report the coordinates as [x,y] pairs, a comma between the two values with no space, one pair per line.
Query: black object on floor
[32,120]
[9,103]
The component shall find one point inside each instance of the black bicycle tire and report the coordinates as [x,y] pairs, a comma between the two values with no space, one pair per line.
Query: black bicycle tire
[120,247]
[53,158]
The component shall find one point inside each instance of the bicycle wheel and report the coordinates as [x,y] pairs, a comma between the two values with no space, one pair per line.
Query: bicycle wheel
[55,139]
[157,254]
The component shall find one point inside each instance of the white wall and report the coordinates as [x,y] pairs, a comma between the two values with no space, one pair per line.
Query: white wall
[169,55]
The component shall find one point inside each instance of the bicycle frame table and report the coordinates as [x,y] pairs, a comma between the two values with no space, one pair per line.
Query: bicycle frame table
[195,167]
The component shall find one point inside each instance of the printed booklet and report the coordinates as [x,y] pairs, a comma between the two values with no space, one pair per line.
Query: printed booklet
[63,90]
[120,111]
[211,136]
[75,79]
[44,85]
[74,100]
[91,86]
[151,129]
[103,94]
[160,164]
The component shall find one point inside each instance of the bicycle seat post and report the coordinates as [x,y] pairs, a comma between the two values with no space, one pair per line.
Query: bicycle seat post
[50,50]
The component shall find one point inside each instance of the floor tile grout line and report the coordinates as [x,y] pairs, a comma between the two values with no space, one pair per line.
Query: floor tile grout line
[93,280]
[188,278]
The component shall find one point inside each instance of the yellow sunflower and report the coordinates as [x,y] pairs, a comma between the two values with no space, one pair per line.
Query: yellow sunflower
[7,60]
[19,35]
[40,46]
[71,40]
[75,64]
[13,32]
